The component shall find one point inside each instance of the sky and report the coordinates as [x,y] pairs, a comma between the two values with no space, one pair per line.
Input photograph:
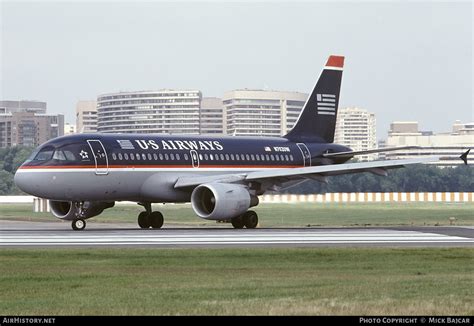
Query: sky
[405,60]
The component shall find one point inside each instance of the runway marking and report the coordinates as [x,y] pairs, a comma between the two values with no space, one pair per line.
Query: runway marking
[221,237]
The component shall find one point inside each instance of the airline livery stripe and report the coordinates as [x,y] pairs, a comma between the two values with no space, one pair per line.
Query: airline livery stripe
[326,109]
[326,113]
[326,104]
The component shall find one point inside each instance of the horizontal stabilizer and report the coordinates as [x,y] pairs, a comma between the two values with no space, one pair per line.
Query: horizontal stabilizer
[369,151]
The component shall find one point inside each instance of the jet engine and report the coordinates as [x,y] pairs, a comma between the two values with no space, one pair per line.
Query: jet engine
[68,210]
[221,201]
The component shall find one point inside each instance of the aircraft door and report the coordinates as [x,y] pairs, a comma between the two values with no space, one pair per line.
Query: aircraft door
[194,158]
[305,153]
[100,157]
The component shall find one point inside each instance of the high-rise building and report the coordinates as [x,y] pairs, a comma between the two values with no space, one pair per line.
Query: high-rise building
[69,128]
[261,112]
[356,128]
[211,116]
[448,145]
[86,116]
[26,123]
[160,111]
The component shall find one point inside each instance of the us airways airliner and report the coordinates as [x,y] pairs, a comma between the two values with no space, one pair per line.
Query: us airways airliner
[222,177]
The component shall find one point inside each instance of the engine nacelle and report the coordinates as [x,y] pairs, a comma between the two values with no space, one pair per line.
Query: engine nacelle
[68,210]
[221,201]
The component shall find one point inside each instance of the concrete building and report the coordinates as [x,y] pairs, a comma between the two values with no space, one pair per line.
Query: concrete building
[28,125]
[22,106]
[69,129]
[160,111]
[261,112]
[211,116]
[356,128]
[86,116]
[449,144]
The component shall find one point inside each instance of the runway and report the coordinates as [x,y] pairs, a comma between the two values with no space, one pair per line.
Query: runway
[31,235]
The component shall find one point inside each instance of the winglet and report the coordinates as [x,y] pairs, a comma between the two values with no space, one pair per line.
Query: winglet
[464,155]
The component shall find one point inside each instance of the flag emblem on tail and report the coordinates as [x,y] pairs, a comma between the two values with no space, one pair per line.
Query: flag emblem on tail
[326,104]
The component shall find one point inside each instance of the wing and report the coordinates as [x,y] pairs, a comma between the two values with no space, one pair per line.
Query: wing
[319,173]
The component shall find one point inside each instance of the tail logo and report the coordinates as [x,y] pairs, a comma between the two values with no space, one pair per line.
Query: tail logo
[326,104]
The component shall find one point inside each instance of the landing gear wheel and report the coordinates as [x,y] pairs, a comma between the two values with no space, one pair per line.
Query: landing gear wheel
[238,222]
[250,219]
[156,219]
[78,225]
[144,220]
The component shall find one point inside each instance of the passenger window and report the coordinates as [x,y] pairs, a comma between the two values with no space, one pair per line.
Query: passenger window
[138,156]
[237,157]
[221,156]
[272,157]
[185,156]
[132,157]
[143,156]
[286,157]
[172,156]
[247,157]
[149,156]
[267,157]
[167,157]
[177,156]
[291,157]
[227,157]
[242,157]
[206,157]
[114,157]
[120,156]
[252,157]
[200,157]
[262,157]
[277,157]
[160,156]
[211,157]
[155,157]
[232,157]
[257,157]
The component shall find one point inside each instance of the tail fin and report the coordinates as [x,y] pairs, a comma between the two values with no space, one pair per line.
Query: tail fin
[317,120]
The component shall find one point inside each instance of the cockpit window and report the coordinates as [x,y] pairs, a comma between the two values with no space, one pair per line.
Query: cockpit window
[63,155]
[44,154]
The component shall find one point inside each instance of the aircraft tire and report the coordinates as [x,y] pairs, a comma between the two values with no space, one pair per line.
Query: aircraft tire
[144,220]
[250,219]
[78,225]
[238,222]
[156,220]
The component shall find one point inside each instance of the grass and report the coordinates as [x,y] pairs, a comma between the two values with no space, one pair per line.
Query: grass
[297,281]
[295,215]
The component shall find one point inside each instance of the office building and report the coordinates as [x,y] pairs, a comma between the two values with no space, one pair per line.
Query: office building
[86,116]
[261,112]
[160,111]
[356,128]
[211,116]
[448,145]
[26,123]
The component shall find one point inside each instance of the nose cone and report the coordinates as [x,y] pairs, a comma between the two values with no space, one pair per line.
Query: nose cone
[24,182]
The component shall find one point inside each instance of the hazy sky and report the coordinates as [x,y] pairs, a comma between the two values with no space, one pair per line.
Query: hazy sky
[404,60]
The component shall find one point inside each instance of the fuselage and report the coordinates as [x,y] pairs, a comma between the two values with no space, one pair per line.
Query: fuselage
[145,167]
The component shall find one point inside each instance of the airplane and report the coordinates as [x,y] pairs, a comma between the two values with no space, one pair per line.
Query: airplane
[222,177]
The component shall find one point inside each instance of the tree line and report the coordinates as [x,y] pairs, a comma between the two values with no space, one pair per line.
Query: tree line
[415,178]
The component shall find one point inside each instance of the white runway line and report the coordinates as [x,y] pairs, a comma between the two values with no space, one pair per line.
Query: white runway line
[215,237]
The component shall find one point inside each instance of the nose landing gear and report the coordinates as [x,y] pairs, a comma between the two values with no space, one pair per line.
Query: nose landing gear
[78,225]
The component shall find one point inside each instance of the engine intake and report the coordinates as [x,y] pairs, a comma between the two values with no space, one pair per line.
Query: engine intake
[221,201]
[68,210]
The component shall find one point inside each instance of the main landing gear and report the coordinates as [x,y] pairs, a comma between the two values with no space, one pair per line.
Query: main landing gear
[149,219]
[249,219]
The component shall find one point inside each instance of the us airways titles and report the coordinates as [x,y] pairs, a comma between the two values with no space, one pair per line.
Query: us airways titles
[203,145]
